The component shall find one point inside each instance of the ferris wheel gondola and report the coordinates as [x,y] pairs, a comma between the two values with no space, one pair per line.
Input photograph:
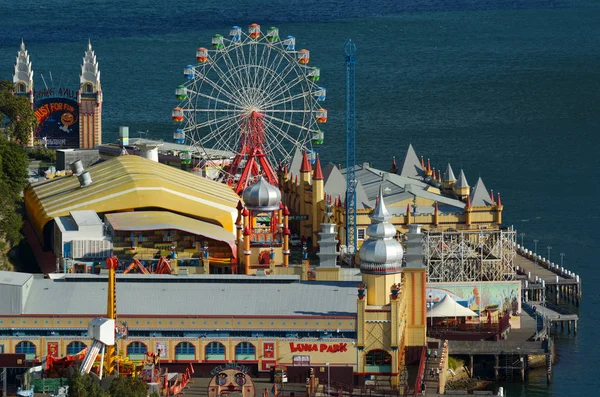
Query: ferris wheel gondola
[251,94]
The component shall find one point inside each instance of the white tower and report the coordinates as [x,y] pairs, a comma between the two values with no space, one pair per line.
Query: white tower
[90,101]
[23,74]
[23,79]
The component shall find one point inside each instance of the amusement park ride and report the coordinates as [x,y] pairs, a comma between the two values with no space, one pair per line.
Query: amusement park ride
[254,96]
[105,332]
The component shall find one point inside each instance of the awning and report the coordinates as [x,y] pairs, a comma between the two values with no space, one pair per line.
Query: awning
[164,220]
[448,307]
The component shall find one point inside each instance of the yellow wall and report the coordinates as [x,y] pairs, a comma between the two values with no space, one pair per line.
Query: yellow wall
[415,307]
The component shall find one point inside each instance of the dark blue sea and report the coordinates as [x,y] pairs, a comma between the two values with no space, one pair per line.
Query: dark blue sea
[507,90]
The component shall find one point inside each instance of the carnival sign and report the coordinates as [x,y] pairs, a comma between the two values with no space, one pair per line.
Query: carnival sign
[318,347]
[58,122]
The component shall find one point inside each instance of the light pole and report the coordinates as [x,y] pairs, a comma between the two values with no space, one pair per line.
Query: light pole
[522,235]
[562,257]
[535,248]
[328,379]
[549,248]
[431,307]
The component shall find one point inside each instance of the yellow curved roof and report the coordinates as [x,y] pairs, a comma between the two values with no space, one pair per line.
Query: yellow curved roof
[126,183]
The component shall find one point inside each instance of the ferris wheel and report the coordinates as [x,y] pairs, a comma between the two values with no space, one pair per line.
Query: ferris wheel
[252,97]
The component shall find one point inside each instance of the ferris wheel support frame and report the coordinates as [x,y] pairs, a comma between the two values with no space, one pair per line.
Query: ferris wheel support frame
[251,149]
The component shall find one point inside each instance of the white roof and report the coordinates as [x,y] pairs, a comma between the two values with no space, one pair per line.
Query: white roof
[448,307]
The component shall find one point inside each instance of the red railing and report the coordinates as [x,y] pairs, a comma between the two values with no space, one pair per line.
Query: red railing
[421,371]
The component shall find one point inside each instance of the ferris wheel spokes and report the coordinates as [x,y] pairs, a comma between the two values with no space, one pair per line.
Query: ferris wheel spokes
[254,96]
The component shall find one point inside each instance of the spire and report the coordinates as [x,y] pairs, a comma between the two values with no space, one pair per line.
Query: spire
[318,174]
[468,202]
[492,195]
[422,162]
[439,176]
[428,165]
[380,214]
[449,174]
[411,168]
[89,78]
[394,168]
[305,167]
[499,201]
[23,74]
[462,180]
[381,253]
[480,196]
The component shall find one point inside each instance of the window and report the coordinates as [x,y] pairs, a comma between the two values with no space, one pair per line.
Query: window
[361,233]
[185,351]
[1,349]
[136,350]
[378,361]
[245,351]
[88,88]
[21,88]
[26,348]
[215,351]
[75,347]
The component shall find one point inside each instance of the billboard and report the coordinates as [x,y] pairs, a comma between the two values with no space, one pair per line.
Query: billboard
[58,122]
[479,296]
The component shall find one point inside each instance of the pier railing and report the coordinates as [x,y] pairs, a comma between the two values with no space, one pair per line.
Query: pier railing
[421,372]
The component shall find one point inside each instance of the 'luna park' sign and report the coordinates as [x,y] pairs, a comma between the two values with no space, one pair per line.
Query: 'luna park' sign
[318,347]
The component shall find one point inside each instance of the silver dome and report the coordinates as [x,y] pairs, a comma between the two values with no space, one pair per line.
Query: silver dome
[381,253]
[262,196]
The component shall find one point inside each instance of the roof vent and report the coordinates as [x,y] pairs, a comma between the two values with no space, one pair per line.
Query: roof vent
[85,179]
[76,167]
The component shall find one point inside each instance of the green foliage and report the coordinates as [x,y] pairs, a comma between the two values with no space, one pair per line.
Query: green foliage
[121,386]
[13,179]
[43,154]
[128,387]
[454,363]
[84,386]
[19,111]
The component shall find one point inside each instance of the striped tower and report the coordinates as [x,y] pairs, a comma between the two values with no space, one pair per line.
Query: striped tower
[90,102]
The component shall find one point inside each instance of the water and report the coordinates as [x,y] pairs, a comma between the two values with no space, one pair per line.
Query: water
[508,90]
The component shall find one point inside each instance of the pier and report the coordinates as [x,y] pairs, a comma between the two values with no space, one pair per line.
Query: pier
[544,278]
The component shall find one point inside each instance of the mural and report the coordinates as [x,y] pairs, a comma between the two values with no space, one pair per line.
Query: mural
[479,296]
[58,120]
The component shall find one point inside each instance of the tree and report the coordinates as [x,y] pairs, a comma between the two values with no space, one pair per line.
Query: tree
[84,386]
[123,386]
[19,112]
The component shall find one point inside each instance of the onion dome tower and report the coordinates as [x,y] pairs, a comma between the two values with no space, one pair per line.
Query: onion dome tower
[380,256]
[266,233]
[262,196]
[90,101]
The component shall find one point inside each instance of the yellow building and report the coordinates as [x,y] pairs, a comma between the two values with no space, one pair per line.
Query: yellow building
[143,203]
[414,194]
[260,322]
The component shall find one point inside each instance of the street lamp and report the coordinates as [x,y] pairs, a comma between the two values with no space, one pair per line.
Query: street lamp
[328,379]
[549,248]
[535,248]
[562,257]
[431,307]
[522,235]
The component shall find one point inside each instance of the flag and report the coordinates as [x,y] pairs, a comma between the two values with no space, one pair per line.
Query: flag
[274,389]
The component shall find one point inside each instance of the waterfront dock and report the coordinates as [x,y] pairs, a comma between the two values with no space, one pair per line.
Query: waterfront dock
[546,277]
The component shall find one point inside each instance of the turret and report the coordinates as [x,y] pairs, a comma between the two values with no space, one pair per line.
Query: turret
[380,256]
[499,208]
[318,192]
[449,179]
[394,168]
[468,211]
[461,188]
